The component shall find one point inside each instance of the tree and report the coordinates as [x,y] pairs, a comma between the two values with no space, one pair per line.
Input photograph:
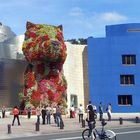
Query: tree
[80,41]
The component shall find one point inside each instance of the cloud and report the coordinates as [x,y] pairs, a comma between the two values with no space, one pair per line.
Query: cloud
[93,23]
[112,17]
[76,11]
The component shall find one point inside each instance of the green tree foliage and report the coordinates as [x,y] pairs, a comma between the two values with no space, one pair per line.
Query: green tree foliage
[80,41]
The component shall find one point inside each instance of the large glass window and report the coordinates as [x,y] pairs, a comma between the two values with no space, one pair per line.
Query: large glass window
[73,100]
[125,99]
[127,79]
[129,59]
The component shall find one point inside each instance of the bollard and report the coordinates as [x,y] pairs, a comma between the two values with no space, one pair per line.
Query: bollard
[61,124]
[29,115]
[83,123]
[9,128]
[137,119]
[121,121]
[37,126]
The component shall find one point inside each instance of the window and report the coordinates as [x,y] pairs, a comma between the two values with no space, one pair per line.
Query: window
[133,30]
[124,99]
[127,79]
[73,100]
[129,59]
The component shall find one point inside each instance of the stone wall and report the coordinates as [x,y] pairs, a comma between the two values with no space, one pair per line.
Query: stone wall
[75,70]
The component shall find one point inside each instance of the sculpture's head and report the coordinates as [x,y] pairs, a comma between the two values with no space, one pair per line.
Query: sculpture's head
[44,43]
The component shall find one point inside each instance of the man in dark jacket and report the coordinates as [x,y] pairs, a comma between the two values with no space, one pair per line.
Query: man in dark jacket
[43,112]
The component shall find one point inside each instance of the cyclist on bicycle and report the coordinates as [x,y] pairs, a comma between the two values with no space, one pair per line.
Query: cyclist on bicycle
[91,116]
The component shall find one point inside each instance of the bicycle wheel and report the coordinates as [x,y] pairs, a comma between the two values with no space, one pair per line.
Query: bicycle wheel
[85,135]
[110,134]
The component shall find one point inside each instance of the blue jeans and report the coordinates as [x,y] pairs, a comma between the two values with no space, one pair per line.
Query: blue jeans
[58,118]
[48,118]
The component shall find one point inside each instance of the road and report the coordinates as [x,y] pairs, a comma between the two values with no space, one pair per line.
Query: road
[132,133]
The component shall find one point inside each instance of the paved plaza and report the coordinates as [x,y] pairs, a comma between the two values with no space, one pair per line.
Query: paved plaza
[28,127]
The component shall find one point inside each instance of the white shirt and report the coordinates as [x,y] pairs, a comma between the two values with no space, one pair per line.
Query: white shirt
[72,108]
[81,110]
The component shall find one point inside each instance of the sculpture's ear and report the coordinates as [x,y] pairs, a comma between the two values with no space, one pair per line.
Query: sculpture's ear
[29,25]
[60,27]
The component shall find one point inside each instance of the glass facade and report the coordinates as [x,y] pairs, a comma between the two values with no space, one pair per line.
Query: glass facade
[11,81]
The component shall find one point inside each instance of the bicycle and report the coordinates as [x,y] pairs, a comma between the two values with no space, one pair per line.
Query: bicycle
[101,135]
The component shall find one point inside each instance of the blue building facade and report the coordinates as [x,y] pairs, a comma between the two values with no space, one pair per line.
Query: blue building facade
[114,68]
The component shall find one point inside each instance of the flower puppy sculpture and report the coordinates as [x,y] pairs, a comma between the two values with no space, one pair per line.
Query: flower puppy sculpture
[45,51]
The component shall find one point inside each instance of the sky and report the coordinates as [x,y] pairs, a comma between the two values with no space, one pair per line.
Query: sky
[80,18]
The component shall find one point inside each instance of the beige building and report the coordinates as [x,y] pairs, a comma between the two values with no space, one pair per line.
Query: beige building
[75,71]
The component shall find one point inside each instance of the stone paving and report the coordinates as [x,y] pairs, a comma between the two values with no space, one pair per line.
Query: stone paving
[28,127]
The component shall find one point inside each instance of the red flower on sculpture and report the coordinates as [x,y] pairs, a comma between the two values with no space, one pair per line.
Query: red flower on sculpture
[30,79]
[41,68]
[35,96]
[50,95]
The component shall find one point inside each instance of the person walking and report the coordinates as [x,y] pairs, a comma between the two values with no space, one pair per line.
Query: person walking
[89,103]
[16,115]
[108,109]
[81,112]
[48,114]
[58,115]
[54,114]
[29,111]
[38,113]
[3,111]
[72,112]
[101,111]
[94,106]
[43,112]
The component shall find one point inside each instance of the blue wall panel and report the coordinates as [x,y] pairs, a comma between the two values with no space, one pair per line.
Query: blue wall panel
[105,66]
